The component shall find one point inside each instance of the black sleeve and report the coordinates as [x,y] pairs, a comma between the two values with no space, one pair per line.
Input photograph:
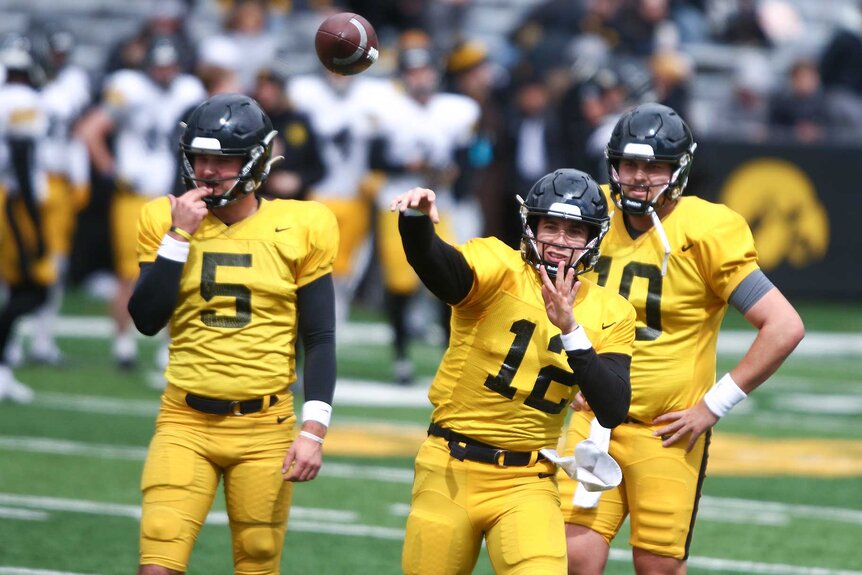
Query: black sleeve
[604,381]
[155,295]
[23,156]
[315,306]
[378,158]
[441,267]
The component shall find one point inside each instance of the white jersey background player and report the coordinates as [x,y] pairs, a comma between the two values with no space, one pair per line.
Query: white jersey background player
[344,112]
[142,110]
[65,96]
[419,139]
[26,268]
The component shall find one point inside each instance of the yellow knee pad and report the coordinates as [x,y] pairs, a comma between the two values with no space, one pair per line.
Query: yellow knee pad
[161,523]
[257,548]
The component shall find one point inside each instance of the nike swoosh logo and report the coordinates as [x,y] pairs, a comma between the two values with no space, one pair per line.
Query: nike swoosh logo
[280,420]
[609,325]
[688,247]
[282,229]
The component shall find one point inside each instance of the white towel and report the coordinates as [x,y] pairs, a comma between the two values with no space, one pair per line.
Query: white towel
[588,453]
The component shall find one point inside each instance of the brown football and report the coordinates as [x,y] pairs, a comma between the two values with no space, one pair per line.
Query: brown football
[346,43]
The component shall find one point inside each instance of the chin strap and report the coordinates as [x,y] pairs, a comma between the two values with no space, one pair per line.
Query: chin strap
[656,222]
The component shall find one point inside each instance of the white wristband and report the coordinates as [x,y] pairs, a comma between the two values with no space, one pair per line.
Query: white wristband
[174,249]
[319,411]
[722,396]
[576,339]
[311,436]
[412,212]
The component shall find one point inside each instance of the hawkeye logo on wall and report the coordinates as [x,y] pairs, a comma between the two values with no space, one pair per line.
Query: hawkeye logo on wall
[780,203]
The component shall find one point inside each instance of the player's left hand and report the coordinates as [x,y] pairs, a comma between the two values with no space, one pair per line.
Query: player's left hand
[303,460]
[694,421]
[559,298]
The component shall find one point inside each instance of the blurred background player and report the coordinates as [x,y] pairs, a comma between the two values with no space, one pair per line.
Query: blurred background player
[680,261]
[65,96]
[421,142]
[27,265]
[344,113]
[139,115]
[302,163]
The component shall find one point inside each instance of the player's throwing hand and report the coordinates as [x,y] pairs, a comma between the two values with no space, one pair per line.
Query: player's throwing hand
[189,209]
[420,199]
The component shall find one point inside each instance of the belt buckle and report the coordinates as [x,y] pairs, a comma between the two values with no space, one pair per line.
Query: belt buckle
[500,457]
[234,407]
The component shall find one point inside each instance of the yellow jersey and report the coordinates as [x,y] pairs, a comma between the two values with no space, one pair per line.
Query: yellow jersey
[678,314]
[233,331]
[505,379]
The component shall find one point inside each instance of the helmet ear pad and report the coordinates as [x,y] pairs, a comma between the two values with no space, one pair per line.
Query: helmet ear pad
[230,125]
[653,133]
[568,194]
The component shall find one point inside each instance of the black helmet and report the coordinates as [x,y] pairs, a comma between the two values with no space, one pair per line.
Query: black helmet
[25,55]
[229,125]
[652,133]
[568,194]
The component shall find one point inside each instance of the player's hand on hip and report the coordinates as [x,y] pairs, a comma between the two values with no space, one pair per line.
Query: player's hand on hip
[303,460]
[420,199]
[189,209]
[693,422]
[559,295]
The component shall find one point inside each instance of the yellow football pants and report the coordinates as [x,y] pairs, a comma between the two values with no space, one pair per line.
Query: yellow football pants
[458,503]
[189,453]
[660,488]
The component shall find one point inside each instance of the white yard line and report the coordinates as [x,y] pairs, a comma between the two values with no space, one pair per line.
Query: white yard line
[746,510]
[729,341]
[336,522]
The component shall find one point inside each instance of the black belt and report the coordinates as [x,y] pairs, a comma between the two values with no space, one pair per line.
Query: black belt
[462,447]
[226,406]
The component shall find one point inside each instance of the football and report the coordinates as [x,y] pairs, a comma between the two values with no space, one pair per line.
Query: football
[346,44]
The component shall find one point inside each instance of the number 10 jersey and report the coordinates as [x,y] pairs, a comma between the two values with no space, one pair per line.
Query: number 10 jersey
[678,314]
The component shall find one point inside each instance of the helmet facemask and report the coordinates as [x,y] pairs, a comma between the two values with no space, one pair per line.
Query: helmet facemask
[670,191]
[580,259]
[250,177]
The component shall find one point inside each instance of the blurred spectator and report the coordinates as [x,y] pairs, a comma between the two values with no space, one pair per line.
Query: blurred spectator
[245,28]
[302,164]
[801,109]
[743,28]
[390,19]
[584,109]
[690,19]
[671,74]
[645,27]
[534,142]
[841,59]
[745,112]
[470,72]
[166,18]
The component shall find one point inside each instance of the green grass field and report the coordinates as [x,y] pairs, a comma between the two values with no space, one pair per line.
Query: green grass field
[784,494]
